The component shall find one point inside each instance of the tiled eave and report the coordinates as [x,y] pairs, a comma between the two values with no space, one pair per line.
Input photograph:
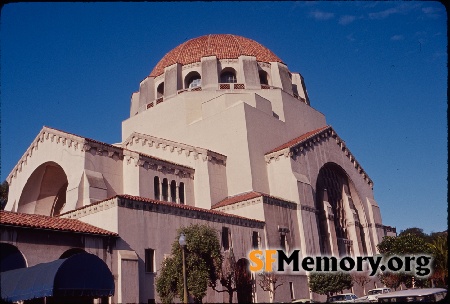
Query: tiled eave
[302,144]
[252,197]
[75,142]
[150,205]
[174,147]
[42,222]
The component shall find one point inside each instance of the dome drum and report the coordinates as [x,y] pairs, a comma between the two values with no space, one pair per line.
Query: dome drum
[221,62]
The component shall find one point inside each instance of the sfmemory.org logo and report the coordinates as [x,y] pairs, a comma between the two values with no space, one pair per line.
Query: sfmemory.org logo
[264,260]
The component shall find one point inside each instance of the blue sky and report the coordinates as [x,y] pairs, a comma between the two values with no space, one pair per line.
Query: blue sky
[377,70]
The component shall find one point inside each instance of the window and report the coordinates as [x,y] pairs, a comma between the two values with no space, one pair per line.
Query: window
[263,79]
[156,188]
[283,238]
[228,77]
[173,191]
[181,193]
[160,90]
[193,79]
[149,260]
[291,289]
[165,190]
[226,238]
[255,240]
[283,241]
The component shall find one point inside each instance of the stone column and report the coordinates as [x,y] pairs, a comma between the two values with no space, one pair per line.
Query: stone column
[210,73]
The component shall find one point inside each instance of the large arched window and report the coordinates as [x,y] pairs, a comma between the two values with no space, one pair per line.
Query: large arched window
[156,188]
[160,90]
[192,80]
[333,189]
[181,193]
[165,190]
[263,77]
[228,76]
[173,191]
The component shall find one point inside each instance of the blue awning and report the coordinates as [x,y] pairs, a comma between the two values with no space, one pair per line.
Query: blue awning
[79,275]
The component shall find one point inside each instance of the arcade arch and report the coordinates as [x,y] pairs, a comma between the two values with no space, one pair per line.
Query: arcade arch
[45,191]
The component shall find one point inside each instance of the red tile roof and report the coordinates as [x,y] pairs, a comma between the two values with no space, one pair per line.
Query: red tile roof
[186,207]
[156,202]
[47,222]
[223,46]
[299,139]
[242,197]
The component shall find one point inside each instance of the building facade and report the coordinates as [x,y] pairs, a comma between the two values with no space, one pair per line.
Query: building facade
[219,133]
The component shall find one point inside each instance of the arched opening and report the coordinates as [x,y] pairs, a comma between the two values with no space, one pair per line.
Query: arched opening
[263,77]
[192,80]
[244,282]
[80,278]
[228,75]
[156,188]
[71,252]
[160,90]
[11,257]
[336,206]
[173,191]
[181,193]
[165,190]
[45,191]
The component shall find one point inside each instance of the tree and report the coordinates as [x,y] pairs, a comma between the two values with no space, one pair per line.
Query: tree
[361,278]
[415,231]
[203,263]
[404,244]
[4,189]
[439,249]
[329,283]
[228,275]
[270,281]
[391,280]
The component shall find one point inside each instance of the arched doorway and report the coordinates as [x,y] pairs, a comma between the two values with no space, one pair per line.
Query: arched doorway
[45,191]
[71,252]
[11,257]
[244,284]
[338,214]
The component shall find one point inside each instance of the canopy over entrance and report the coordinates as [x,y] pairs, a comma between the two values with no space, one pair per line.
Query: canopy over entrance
[82,274]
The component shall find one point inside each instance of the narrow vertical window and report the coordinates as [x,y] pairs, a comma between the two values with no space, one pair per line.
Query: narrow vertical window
[156,188]
[173,191]
[181,193]
[149,260]
[160,90]
[225,238]
[291,289]
[255,240]
[165,190]
[283,241]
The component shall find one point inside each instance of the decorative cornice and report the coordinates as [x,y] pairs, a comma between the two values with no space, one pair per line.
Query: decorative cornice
[303,145]
[83,144]
[309,209]
[174,147]
[149,162]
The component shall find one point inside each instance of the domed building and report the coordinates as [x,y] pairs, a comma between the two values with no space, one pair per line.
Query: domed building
[220,133]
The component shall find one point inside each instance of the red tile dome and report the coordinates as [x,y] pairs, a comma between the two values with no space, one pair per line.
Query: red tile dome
[223,46]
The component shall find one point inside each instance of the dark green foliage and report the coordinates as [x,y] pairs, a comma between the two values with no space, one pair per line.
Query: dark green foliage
[4,188]
[203,263]
[329,283]
[414,241]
